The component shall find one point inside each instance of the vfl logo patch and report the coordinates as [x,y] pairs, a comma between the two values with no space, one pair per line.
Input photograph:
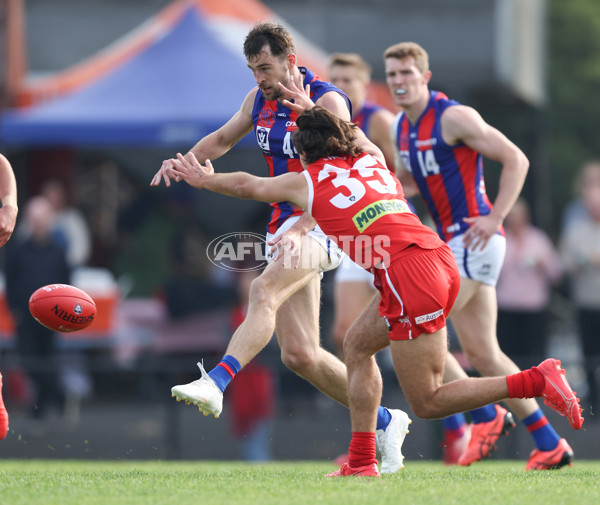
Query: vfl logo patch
[429,317]
[262,137]
[372,212]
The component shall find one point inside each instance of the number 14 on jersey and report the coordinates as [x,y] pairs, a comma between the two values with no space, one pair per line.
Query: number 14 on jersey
[426,159]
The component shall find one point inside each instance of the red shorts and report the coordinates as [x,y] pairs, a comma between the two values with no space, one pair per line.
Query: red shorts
[418,290]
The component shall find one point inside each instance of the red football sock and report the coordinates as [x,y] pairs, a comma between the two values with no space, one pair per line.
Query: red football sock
[362,449]
[525,384]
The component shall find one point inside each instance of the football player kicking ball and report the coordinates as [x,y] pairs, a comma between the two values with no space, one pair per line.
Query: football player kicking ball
[361,205]
[271,56]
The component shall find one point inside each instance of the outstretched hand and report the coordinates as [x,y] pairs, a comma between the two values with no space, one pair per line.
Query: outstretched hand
[301,96]
[188,168]
[163,174]
[8,218]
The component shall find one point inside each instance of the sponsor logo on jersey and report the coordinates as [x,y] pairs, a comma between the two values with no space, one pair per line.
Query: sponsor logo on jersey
[425,143]
[372,212]
[453,227]
[429,317]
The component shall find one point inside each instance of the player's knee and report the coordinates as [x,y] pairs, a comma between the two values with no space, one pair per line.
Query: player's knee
[355,346]
[261,295]
[298,359]
[424,409]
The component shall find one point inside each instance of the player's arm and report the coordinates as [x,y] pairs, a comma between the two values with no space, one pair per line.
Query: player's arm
[217,143]
[402,173]
[405,177]
[291,187]
[221,141]
[464,124]
[8,196]
[380,126]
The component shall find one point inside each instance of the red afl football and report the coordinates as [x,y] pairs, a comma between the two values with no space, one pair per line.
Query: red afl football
[61,307]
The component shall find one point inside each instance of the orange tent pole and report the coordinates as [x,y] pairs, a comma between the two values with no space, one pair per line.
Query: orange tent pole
[15,57]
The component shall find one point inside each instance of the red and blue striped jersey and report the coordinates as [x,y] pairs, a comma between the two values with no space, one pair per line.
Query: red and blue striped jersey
[274,124]
[449,177]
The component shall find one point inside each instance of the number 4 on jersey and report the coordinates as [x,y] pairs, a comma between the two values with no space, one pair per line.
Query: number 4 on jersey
[288,146]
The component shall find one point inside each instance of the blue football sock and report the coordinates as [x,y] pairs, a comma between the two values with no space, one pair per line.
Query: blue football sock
[383,418]
[225,371]
[454,422]
[483,414]
[544,435]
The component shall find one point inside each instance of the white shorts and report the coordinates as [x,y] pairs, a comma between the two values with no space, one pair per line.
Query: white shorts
[334,253]
[481,265]
[348,271]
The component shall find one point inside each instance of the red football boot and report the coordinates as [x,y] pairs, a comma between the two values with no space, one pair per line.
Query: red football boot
[3,414]
[551,460]
[558,394]
[362,471]
[485,435]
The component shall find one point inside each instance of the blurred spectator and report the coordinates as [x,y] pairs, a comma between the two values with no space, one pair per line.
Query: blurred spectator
[252,396]
[70,226]
[531,266]
[194,284]
[580,250]
[32,261]
[589,175]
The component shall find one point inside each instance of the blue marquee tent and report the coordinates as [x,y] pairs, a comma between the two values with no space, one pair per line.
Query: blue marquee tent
[177,89]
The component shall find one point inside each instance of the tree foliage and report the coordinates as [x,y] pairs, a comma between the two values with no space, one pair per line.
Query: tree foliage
[574,84]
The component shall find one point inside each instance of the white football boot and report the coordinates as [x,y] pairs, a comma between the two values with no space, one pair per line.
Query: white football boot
[202,392]
[389,441]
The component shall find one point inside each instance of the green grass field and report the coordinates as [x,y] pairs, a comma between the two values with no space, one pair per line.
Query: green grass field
[229,483]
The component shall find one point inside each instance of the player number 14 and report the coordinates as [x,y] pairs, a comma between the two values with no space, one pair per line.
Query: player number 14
[427,163]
